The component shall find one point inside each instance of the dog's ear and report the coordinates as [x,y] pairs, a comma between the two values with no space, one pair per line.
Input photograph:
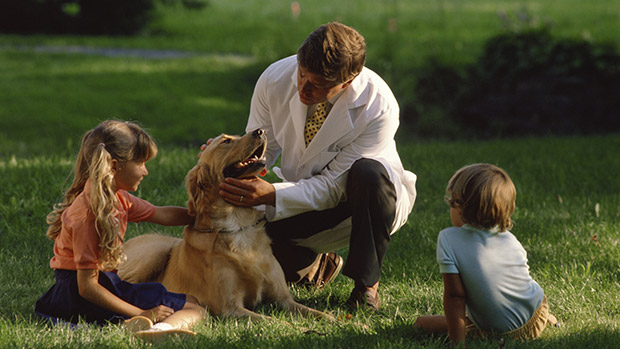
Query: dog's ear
[197,188]
[191,183]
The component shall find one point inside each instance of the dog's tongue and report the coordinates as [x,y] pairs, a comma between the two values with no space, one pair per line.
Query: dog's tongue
[263,172]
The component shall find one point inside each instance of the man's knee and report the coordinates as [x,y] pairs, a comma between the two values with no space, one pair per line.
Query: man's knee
[367,175]
[367,172]
[369,188]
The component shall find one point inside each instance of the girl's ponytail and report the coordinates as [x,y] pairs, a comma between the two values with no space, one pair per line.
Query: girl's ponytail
[103,204]
[80,175]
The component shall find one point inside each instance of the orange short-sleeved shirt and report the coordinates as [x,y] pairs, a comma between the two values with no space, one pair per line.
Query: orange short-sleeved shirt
[77,245]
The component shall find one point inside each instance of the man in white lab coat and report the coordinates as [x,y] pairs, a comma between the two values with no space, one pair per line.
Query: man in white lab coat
[343,183]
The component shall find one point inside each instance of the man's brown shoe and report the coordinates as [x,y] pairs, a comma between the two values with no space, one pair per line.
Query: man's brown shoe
[329,266]
[363,299]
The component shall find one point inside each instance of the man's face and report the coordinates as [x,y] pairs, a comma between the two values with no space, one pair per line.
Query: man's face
[313,88]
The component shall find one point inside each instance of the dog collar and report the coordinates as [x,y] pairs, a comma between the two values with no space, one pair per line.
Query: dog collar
[203,230]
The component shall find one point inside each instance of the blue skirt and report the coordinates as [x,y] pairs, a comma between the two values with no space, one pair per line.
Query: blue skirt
[62,302]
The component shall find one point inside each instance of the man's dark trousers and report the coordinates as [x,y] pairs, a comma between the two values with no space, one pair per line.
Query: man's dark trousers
[371,204]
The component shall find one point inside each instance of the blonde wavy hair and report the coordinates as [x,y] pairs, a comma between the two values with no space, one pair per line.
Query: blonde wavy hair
[485,194]
[111,140]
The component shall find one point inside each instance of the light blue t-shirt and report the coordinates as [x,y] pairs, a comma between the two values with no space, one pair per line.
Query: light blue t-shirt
[501,296]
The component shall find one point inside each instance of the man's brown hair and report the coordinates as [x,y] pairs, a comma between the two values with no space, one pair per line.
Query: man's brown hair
[486,195]
[335,51]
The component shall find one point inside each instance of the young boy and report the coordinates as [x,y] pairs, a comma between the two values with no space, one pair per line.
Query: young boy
[487,285]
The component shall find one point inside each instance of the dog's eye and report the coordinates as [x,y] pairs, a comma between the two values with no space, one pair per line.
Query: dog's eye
[226,141]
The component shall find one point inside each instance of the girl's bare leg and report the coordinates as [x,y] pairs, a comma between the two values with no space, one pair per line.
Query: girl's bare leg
[184,318]
[188,316]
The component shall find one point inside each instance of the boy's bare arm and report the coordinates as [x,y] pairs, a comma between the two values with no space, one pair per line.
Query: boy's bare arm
[454,306]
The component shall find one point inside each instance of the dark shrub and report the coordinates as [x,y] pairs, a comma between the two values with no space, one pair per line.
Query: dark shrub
[114,16]
[429,111]
[74,16]
[530,83]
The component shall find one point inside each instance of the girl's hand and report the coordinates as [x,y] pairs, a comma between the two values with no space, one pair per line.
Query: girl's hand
[158,313]
[204,146]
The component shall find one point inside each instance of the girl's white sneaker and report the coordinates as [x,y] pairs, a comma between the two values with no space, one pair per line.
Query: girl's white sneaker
[162,330]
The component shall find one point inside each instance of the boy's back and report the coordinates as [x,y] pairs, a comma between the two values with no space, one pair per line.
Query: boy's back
[501,296]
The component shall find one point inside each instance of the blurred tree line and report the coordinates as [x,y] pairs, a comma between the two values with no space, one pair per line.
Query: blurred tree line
[95,17]
[525,82]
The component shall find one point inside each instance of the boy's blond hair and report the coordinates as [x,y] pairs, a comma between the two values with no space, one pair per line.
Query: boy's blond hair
[485,194]
[335,51]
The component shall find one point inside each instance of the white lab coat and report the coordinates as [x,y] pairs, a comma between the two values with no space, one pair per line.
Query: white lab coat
[361,124]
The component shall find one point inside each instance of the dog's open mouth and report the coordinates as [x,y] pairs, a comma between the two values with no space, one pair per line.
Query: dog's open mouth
[249,167]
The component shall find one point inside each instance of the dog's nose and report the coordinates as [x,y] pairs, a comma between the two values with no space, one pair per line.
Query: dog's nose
[258,132]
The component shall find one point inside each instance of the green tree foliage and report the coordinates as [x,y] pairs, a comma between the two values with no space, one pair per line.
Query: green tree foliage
[109,17]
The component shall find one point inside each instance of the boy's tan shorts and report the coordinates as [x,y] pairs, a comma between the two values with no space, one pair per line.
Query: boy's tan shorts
[533,328]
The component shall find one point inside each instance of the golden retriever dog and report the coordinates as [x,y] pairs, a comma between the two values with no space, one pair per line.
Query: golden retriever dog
[225,258]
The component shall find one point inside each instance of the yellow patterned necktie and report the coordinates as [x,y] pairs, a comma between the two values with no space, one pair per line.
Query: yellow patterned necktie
[314,122]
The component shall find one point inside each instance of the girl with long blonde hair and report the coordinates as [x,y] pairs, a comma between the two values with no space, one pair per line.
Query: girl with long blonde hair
[88,229]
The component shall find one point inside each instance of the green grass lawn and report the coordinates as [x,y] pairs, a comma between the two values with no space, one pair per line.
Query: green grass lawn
[567,218]
[568,202]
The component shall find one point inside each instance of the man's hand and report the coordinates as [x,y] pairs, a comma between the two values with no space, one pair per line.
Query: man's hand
[248,192]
